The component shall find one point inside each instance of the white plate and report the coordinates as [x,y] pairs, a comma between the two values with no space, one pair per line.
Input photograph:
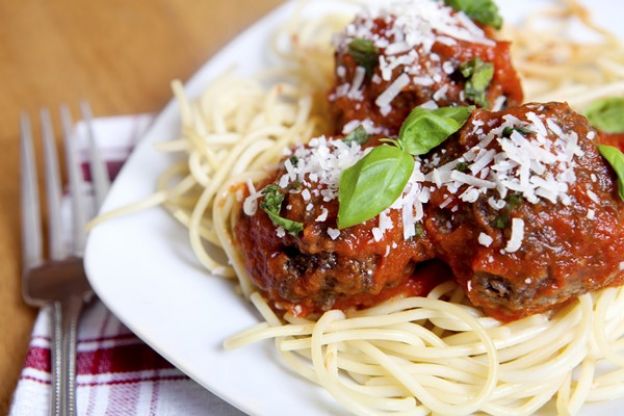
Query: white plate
[142,267]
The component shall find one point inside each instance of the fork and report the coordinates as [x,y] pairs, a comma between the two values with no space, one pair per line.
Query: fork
[58,281]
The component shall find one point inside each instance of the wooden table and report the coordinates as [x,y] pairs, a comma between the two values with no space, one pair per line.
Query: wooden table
[121,56]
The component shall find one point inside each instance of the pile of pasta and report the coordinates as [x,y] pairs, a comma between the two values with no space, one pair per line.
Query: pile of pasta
[555,67]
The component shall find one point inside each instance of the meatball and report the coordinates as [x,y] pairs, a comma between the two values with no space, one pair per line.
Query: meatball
[424,53]
[313,267]
[526,211]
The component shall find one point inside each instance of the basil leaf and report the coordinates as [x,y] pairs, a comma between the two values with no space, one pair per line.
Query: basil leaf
[483,11]
[616,159]
[365,53]
[478,76]
[425,129]
[607,114]
[272,205]
[359,136]
[372,184]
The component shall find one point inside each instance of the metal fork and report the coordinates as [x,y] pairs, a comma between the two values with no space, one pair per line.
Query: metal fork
[58,281]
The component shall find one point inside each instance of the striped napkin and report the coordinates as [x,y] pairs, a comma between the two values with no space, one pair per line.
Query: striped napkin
[117,374]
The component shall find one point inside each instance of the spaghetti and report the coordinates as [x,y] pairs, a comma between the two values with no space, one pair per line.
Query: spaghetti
[407,356]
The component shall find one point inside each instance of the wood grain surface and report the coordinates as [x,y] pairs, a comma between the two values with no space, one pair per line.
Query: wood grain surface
[118,54]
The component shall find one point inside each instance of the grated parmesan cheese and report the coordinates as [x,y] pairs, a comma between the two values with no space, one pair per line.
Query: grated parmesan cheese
[499,103]
[358,80]
[367,124]
[532,164]
[386,97]
[448,67]
[485,240]
[429,105]
[305,194]
[592,195]
[323,215]
[440,94]
[384,224]
[446,202]
[321,162]
[471,180]
[250,205]
[423,81]
[517,235]
[333,233]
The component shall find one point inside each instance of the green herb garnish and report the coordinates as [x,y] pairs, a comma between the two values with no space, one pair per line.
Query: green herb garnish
[507,131]
[425,129]
[478,76]
[365,54]
[419,230]
[272,205]
[501,221]
[607,114]
[378,179]
[616,159]
[372,184]
[462,167]
[514,201]
[359,136]
[482,11]
[295,186]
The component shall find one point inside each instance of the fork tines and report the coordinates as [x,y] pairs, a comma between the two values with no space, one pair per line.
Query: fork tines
[32,244]
[60,280]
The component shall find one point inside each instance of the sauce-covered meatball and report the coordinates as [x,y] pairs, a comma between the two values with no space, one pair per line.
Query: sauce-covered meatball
[527,213]
[303,263]
[414,53]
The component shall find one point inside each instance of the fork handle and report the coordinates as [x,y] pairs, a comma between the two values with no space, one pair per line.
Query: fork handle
[65,315]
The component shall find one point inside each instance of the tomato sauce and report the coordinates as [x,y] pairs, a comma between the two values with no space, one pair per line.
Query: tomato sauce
[613,139]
